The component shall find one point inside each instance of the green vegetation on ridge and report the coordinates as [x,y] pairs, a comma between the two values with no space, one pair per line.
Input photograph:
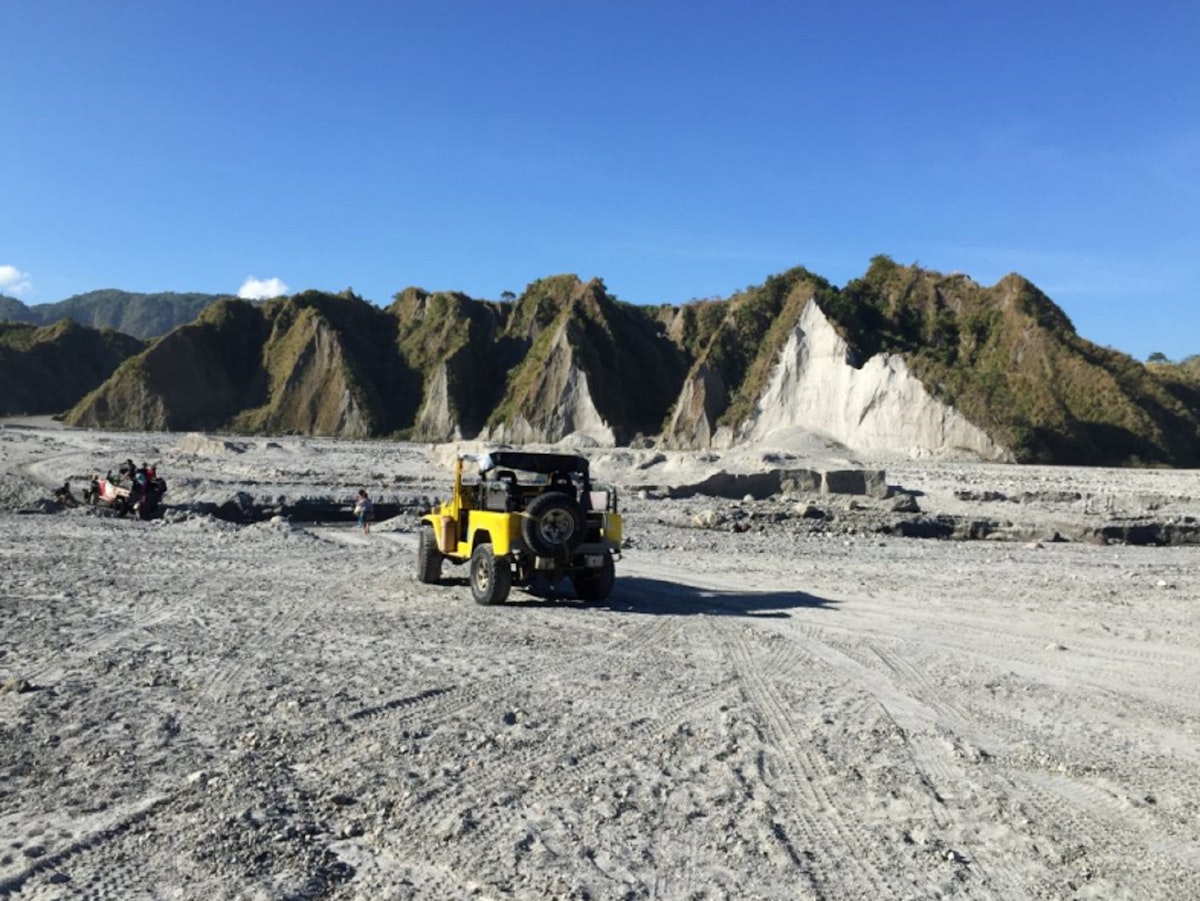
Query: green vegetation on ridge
[1010,361]
[633,371]
[46,369]
[1005,356]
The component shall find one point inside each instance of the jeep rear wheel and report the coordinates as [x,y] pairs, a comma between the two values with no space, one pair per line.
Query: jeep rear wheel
[429,558]
[593,585]
[491,576]
[552,524]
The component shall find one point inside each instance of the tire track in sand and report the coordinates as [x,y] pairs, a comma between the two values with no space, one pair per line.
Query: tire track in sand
[826,845]
[116,877]
[472,806]
[1069,811]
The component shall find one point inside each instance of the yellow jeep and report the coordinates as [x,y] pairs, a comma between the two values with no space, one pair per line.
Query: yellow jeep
[527,515]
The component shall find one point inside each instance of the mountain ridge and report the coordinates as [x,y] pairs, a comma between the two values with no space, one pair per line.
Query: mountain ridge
[141,315]
[568,361]
[47,368]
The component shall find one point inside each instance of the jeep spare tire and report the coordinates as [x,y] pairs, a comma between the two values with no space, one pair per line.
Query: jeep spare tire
[552,524]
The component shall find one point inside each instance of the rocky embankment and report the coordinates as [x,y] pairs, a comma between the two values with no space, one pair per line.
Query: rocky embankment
[244,480]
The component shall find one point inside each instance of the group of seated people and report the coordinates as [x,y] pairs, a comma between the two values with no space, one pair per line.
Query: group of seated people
[140,478]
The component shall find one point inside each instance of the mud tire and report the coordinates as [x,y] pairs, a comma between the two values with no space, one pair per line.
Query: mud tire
[429,558]
[595,585]
[491,576]
[553,524]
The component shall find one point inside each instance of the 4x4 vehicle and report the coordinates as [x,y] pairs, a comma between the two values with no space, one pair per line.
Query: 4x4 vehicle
[528,515]
[135,490]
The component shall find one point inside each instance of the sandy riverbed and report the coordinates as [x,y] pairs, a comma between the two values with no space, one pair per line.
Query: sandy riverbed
[200,709]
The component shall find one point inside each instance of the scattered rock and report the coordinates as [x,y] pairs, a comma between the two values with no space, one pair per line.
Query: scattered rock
[16,685]
[196,443]
[652,461]
[1049,497]
[945,526]
[763,485]
[968,494]
[1150,532]
[855,481]
[811,511]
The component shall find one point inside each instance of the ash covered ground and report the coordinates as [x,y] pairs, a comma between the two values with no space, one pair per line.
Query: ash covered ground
[782,698]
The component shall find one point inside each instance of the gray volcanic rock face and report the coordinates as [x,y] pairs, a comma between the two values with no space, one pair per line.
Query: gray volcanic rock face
[562,404]
[316,396]
[437,420]
[880,408]
[694,423]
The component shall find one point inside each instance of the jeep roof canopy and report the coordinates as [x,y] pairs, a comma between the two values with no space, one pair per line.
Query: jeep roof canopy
[532,462]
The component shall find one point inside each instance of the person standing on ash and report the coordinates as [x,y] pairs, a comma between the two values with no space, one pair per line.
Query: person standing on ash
[364,510]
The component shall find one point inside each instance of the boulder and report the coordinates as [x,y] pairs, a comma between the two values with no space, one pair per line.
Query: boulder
[207,445]
[872,483]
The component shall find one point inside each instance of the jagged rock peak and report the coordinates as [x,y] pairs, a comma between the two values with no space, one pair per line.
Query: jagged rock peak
[549,397]
[593,365]
[548,299]
[878,408]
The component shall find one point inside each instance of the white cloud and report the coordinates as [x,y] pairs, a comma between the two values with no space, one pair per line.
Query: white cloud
[261,288]
[14,282]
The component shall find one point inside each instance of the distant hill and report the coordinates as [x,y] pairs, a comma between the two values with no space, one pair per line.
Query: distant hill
[902,360]
[47,369]
[140,315]
[12,310]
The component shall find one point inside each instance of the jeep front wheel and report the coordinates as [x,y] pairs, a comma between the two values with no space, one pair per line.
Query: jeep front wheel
[491,576]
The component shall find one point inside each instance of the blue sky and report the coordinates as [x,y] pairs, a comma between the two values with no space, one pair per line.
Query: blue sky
[674,149]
